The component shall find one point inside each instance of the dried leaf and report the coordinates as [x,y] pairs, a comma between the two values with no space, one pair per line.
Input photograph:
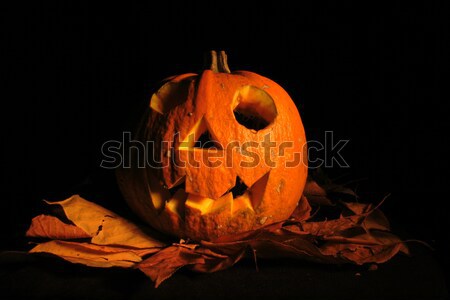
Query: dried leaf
[303,210]
[331,227]
[44,226]
[313,189]
[215,262]
[374,247]
[388,238]
[163,264]
[374,218]
[331,188]
[315,194]
[166,262]
[357,208]
[89,254]
[105,227]
[336,189]
[293,247]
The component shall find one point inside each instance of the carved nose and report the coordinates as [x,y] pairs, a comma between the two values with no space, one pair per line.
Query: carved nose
[205,163]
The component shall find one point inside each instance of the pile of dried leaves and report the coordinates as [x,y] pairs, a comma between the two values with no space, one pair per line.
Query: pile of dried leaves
[97,237]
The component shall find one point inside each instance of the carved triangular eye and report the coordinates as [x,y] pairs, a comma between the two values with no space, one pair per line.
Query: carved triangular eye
[254,108]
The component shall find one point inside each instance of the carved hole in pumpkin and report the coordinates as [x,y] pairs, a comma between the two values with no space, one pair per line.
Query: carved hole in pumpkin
[200,137]
[254,108]
[170,95]
[239,188]
[180,185]
[206,141]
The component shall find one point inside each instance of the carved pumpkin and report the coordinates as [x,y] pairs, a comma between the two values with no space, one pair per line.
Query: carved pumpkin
[226,153]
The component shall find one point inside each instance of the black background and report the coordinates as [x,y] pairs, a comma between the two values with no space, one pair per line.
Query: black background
[78,75]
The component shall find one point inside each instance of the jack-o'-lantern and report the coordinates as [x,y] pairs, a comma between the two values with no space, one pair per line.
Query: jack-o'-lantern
[225,152]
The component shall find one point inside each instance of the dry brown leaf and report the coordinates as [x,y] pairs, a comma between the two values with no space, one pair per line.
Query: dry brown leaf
[357,208]
[293,247]
[89,254]
[163,264]
[316,194]
[313,189]
[376,220]
[331,227]
[374,217]
[44,226]
[215,262]
[336,189]
[303,210]
[105,227]
[376,247]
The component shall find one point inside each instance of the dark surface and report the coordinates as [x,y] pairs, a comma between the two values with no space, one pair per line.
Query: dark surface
[416,277]
[78,75]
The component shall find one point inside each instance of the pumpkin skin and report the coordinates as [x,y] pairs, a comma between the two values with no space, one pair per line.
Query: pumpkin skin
[228,192]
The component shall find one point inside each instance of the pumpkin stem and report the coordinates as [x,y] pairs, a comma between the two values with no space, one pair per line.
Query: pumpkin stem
[218,63]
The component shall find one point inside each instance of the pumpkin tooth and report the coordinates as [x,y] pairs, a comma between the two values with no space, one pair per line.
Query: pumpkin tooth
[203,204]
[222,203]
[208,205]
[242,202]
[158,194]
[177,203]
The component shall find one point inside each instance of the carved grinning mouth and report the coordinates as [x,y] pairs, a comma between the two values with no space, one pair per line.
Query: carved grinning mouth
[238,197]
[237,190]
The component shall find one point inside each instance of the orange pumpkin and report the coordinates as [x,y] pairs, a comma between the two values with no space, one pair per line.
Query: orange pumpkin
[227,154]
